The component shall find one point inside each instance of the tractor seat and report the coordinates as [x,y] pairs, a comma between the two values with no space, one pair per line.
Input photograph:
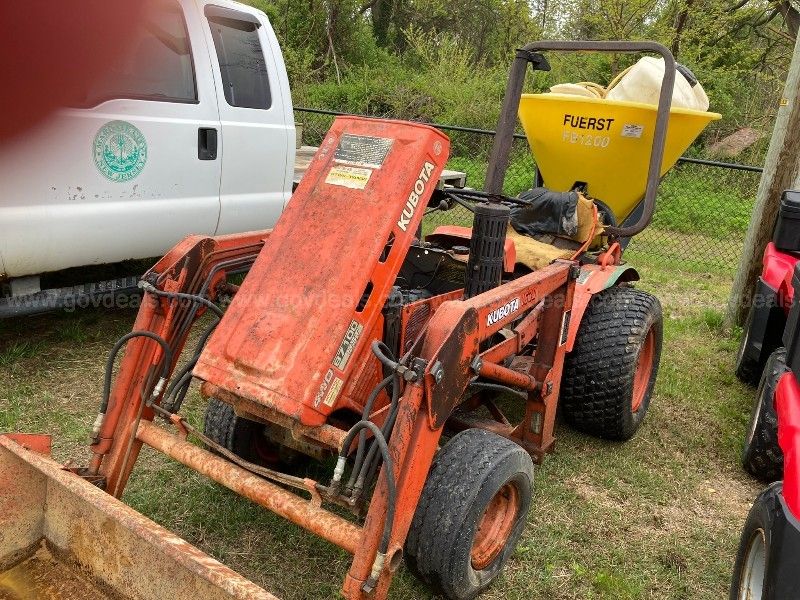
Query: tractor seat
[555,225]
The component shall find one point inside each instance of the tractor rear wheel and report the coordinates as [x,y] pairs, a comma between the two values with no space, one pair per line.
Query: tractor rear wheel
[245,438]
[762,456]
[471,513]
[609,375]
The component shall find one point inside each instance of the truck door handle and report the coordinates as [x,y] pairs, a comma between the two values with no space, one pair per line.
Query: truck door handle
[207,143]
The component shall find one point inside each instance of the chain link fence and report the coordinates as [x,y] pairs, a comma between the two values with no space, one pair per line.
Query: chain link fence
[702,212]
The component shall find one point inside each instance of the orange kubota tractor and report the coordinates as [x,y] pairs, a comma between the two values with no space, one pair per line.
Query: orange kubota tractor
[431,369]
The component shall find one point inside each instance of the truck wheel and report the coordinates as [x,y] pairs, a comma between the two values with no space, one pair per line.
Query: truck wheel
[755,544]
[762,456]
[609,375]
[471,513]
[246,438]
[748,369]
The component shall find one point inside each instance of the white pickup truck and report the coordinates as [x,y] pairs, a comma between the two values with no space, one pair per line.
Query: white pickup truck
[192,132]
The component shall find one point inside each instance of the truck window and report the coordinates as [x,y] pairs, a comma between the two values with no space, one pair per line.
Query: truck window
[241,59]
[158,65]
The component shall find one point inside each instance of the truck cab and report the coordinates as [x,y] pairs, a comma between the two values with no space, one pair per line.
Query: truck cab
[191,131]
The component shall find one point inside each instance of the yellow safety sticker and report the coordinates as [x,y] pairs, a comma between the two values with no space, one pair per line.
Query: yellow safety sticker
[333,391]
[350,177]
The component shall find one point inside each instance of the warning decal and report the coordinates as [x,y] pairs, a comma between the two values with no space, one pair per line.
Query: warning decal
[333,391]
[349,177]
[362,150]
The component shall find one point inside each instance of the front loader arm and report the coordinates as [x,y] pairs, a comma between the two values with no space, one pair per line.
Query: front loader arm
[194,267]
[459,328]
[451,353]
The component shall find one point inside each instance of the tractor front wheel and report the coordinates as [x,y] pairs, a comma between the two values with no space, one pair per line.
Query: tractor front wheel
[609,375]
[245,438]
[471,513]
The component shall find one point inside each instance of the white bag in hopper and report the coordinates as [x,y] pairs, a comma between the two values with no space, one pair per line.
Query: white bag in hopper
[642,83]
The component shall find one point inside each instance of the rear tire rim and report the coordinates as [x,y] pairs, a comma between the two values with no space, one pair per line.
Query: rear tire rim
[495,527]
[644,369]
[751,586]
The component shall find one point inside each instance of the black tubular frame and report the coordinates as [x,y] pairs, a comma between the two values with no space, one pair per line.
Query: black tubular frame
[506,124]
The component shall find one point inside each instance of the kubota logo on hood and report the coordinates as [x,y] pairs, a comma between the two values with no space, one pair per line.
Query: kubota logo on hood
[414,196]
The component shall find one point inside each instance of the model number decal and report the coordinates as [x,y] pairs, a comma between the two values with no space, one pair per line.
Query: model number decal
[414,196]
[348,345]
[498,314]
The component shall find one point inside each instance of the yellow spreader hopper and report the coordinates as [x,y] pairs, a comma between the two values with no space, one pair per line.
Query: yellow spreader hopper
[605,144]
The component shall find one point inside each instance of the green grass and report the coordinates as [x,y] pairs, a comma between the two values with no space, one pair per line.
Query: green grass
[655,518]
[711,202]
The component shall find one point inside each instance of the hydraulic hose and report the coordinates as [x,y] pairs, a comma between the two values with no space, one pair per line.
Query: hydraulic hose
[383,547]
[112,357]
[176,391]
[109,372]
[366,471]
[362,438]
[383,353]
[147,287]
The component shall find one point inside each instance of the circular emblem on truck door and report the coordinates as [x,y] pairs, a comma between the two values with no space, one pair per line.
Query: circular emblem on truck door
[120,151]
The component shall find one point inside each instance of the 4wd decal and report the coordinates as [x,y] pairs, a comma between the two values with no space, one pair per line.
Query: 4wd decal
[333,391]
[326,382]
[413,198]
[348,345]
[498,314]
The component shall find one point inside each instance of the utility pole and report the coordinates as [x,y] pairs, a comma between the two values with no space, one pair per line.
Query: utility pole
[781,172]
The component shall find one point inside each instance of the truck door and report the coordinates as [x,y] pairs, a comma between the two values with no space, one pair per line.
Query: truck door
[257,136]
[132,170]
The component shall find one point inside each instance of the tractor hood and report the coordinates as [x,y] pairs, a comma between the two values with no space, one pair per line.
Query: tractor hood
[294,331]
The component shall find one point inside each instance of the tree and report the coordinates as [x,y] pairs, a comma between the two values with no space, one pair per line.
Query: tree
[781,171]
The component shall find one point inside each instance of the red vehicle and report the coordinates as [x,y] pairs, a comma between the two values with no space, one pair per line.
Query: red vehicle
[762,358]
[766,563]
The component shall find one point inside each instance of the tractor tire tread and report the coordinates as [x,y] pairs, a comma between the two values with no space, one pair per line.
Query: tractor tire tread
[220,423]
[440,538]
[599,372]
[762,456]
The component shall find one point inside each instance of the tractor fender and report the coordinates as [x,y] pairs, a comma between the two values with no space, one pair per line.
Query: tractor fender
[592,280]
[777,274]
